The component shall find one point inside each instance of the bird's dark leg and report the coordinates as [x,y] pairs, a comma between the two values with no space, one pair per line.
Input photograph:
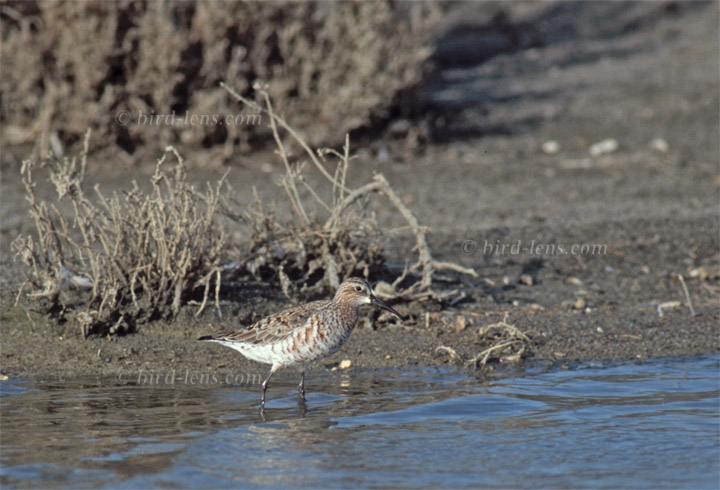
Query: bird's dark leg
[301,386]
[264,387]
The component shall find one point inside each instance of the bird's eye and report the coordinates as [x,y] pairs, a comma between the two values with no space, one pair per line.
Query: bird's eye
[358,288]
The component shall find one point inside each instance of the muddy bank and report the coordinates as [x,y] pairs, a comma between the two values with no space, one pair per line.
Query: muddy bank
[624,305]
[644,207]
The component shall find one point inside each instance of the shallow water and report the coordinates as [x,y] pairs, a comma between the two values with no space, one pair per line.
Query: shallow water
[648,425]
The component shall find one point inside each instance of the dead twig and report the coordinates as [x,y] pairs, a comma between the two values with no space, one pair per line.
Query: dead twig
[687,294]
[510,336]
[346,243]
[483,356]
[454,356]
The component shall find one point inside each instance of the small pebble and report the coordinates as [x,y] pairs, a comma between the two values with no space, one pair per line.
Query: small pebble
[659,144]
[526,279]
[605,146]
[345,364]
[551,147]
[383,155]
[579,304]
[399,128]
[574,281]
[700,273]
[384,290]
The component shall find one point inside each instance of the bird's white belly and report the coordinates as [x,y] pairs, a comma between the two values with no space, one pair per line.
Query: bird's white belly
[296,349]
[267,354]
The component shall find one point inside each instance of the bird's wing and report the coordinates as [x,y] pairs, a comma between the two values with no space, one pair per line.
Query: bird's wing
[274,327]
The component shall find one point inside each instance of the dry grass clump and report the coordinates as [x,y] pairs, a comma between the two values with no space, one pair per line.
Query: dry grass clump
[343,239]
[138,255]
[299,254]
[336,67]
[506,344]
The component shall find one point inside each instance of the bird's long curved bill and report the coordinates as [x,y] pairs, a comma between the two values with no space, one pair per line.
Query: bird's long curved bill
[382,305]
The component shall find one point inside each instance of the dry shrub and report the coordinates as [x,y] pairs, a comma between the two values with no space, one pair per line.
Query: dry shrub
[319,250]
[138,255]
[304,253]
[335,67]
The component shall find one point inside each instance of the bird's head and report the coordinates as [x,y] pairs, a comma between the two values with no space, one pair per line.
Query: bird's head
[358,292]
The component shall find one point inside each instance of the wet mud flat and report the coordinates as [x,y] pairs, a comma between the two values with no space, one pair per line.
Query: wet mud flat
[584,309]
[497,197]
